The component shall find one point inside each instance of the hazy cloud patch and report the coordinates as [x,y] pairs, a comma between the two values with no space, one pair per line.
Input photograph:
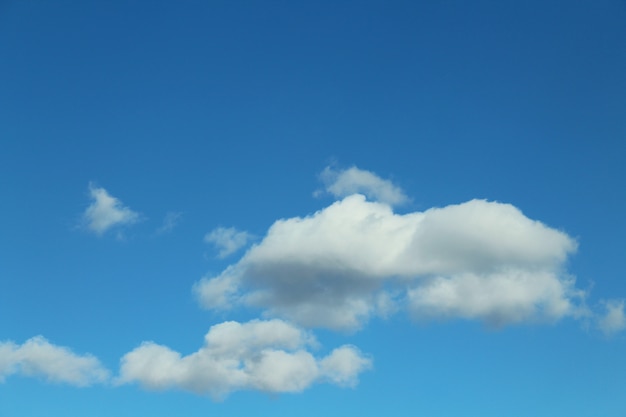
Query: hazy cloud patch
[170,221]
[227,240]
[342,183]
[614,319]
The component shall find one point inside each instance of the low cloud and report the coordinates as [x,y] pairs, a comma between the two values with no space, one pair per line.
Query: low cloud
[39,358]
[227,240]
[499,298]
[106,212]
[342,183]
[270,356]
[357,258]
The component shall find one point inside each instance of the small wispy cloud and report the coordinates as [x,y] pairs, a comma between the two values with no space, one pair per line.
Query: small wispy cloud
[170,221]
[39,358]
[614,320]
[227,240]
[342,183]
[106,212]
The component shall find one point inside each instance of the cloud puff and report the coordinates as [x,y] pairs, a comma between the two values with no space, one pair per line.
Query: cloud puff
[106,212]
[356,258]
[614,320]
[499,298]
[354,180]
[269,356]
[169,222]
[39,358]
[227,240]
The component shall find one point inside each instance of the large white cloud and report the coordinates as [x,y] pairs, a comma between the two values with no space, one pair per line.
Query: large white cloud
[39,358]
[357,258]
[270,356]
[106,212]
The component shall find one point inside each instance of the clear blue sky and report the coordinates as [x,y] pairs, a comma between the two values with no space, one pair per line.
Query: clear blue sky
[449,176]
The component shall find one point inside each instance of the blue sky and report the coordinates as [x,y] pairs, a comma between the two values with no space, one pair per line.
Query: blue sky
[312,208]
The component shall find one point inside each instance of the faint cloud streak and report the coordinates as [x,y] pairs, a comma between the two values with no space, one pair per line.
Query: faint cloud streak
[171,220]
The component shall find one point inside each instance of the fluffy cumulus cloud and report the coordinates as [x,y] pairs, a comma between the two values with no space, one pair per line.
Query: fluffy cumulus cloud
[342,183]
[227,240]
[39,358]
[106,212]
[357,258]
[270,356]
[499,298]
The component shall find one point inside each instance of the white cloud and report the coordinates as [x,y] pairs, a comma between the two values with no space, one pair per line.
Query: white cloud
[106,212]
[343,366]
[39,358]
[614,320]
[269,356]
[227,240]
[220,292]
[354,259]
[509,296]
[170,221]
[354,180]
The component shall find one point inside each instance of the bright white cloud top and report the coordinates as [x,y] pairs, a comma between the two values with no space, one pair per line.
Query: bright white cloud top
[39,358]
[270,356]
[356,259]
[227,240]
[106,212]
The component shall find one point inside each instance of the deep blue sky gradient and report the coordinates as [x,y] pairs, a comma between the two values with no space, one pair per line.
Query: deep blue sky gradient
[227,111]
